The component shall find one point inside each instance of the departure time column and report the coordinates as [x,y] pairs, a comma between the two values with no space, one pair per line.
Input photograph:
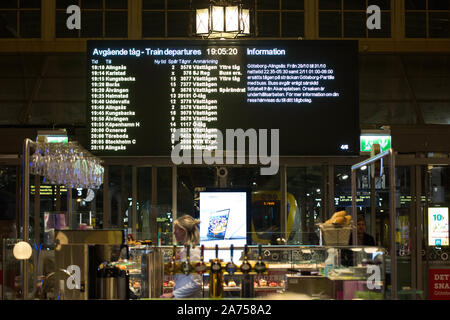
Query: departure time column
[97,104]
[111,115]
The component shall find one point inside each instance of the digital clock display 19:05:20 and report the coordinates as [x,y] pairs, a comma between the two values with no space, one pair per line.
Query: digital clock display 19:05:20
[222,51]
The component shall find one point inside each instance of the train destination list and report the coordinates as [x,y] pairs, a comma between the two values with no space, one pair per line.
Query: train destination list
[192,90]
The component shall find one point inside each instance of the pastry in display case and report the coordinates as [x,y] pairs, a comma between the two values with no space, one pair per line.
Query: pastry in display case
[133,265]
[316,272]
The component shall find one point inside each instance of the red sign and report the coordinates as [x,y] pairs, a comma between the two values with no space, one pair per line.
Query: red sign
[439,280]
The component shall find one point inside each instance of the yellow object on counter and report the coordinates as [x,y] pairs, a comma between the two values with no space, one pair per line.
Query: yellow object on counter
[339,218]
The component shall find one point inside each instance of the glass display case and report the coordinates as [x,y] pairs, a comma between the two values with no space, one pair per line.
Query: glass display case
[137,254]
[133,266]
[300,272]
[274,272]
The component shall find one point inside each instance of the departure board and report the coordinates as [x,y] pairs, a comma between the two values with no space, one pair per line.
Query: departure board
[140,93]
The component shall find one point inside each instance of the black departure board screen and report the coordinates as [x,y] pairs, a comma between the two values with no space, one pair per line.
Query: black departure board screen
[141,92]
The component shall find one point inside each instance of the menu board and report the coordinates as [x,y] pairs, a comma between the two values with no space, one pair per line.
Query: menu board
[140,93]
[438,232]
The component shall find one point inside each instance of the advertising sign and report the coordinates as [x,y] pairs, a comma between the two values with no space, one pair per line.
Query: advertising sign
[223,217]
[438,227]
[439,280]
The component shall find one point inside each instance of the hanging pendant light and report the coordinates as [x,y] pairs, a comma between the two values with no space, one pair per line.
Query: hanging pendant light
[222,20]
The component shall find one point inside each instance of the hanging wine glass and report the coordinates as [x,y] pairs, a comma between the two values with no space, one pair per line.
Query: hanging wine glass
[66,164]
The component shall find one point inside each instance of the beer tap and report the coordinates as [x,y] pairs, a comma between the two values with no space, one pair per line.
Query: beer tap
[186,266]
[201,267]
[171,266]
[216,277]
[245,266]
[260,266]
[231,267]
[247,290]
[215,265]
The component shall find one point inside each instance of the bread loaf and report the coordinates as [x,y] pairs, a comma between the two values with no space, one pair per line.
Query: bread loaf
[339,214]
[339,217]
[339,220]
[348,219]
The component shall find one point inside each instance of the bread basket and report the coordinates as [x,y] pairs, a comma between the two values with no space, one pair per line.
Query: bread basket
[335,234]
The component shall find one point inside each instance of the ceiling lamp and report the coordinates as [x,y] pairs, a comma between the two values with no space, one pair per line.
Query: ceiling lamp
[222,20]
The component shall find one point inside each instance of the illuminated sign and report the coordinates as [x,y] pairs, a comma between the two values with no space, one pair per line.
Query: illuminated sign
[148,97]
[439,284]
[367,141]
[57,139]
[53,136]
[408,199]
[223,217]
[46,190]
[346,201]
[438,227]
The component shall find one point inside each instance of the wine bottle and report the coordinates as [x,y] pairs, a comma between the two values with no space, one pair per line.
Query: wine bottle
[201,267]
[186,266]
[260,266]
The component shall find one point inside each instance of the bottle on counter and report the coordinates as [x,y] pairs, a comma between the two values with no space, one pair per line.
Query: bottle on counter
[216,277]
